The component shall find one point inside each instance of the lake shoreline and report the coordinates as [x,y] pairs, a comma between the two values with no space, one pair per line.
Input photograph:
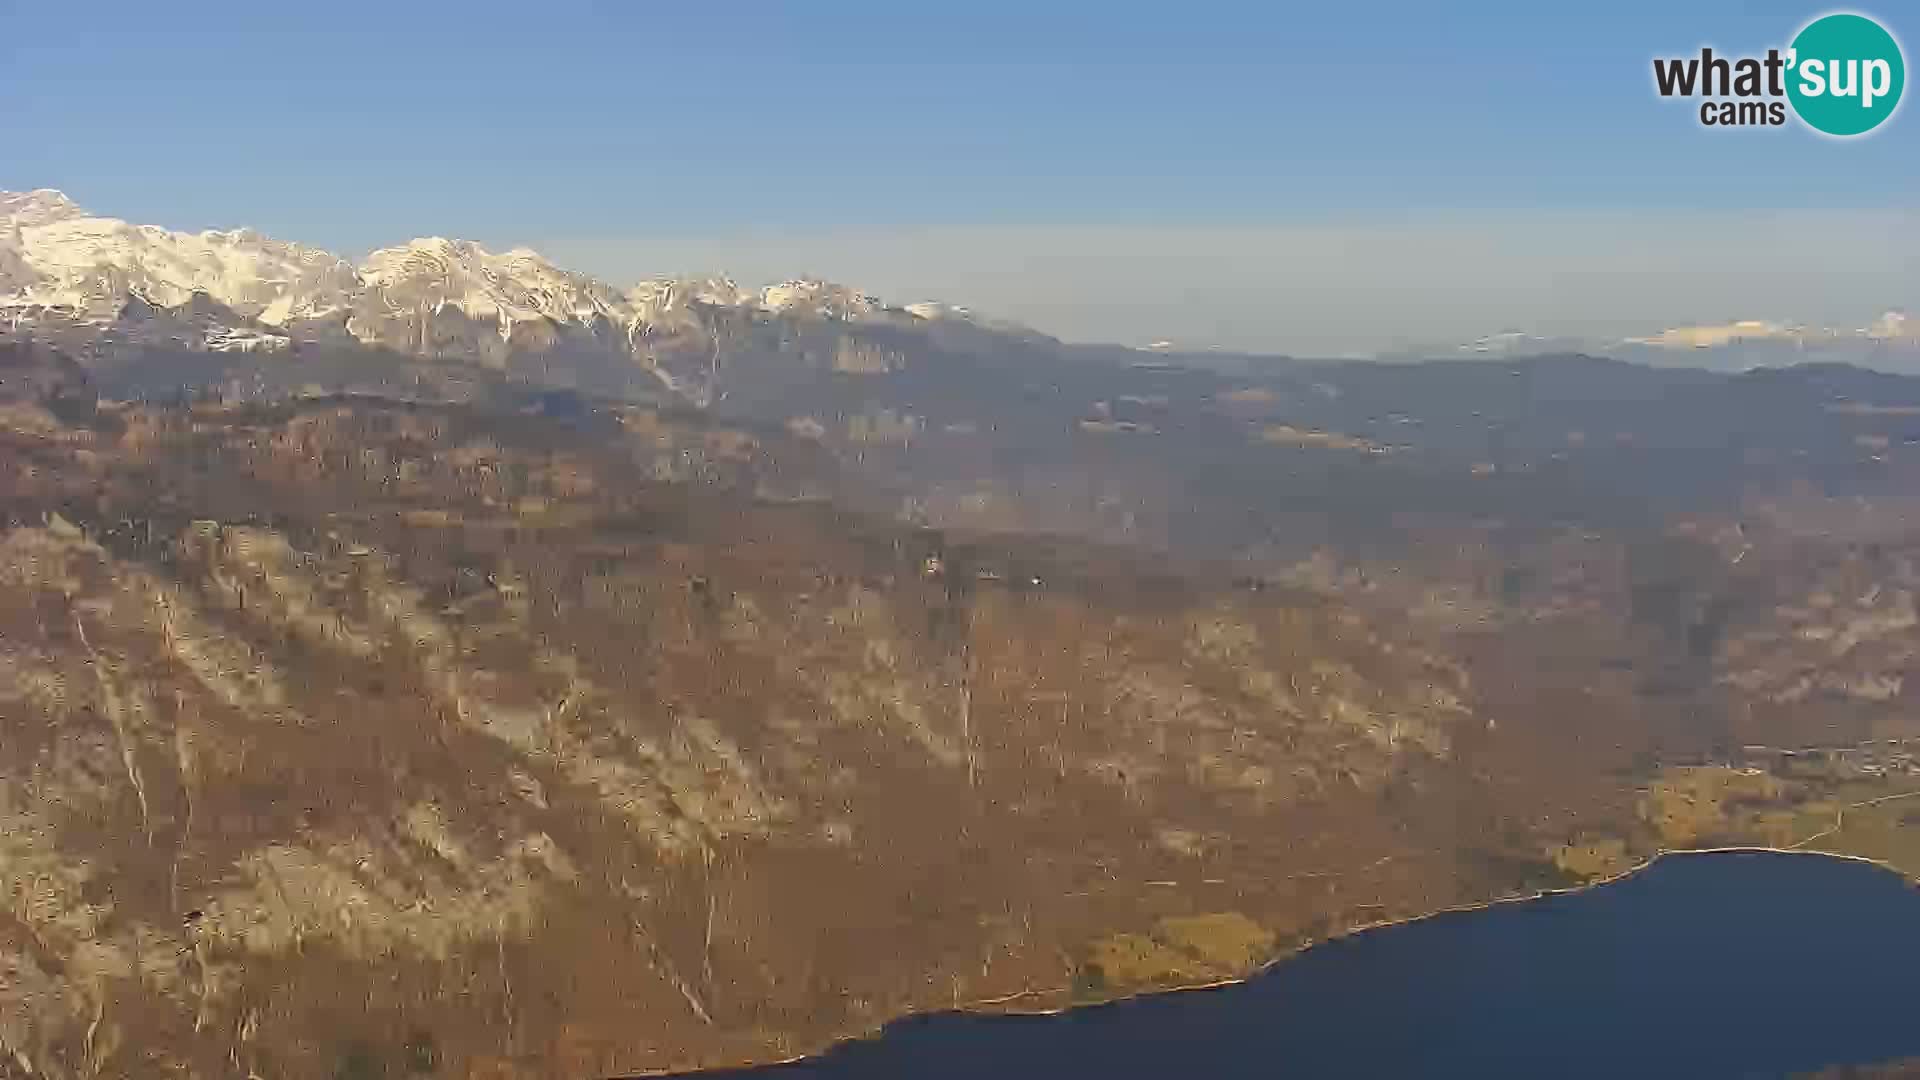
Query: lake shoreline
[993,1006]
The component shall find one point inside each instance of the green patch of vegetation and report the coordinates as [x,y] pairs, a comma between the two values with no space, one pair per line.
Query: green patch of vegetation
[1180,950]
[1690,805]
[1227,941]
[1826,802]
[1594,858]
[358,1061]
[420,1056]
[1883,831]
[1516,870]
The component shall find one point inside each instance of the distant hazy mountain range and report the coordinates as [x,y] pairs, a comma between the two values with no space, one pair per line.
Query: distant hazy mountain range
[1888,343]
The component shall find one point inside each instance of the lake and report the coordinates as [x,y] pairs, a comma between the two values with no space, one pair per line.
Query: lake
[1730,964]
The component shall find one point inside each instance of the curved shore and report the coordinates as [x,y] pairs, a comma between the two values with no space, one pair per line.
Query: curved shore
[998,1005]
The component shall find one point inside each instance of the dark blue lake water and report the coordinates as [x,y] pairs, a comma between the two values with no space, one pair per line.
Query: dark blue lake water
[1720,965]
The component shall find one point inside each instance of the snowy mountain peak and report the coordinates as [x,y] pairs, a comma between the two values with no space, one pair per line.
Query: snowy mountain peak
[934,310]
[669,300]
[38,207]
[57,257]
[1894,326]
[817,297]
[517,286]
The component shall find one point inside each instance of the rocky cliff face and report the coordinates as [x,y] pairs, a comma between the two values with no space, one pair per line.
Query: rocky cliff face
[367,730]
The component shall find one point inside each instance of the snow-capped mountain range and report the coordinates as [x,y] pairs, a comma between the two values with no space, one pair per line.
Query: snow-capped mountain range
[56,259]
[61,266]
[97,283]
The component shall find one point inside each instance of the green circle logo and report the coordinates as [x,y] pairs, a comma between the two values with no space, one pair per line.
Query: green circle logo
[1845,74]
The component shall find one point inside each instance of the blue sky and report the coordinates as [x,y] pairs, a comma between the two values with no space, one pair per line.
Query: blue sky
[984,148]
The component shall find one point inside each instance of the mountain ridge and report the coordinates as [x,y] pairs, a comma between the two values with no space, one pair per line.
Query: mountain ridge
[58,261]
